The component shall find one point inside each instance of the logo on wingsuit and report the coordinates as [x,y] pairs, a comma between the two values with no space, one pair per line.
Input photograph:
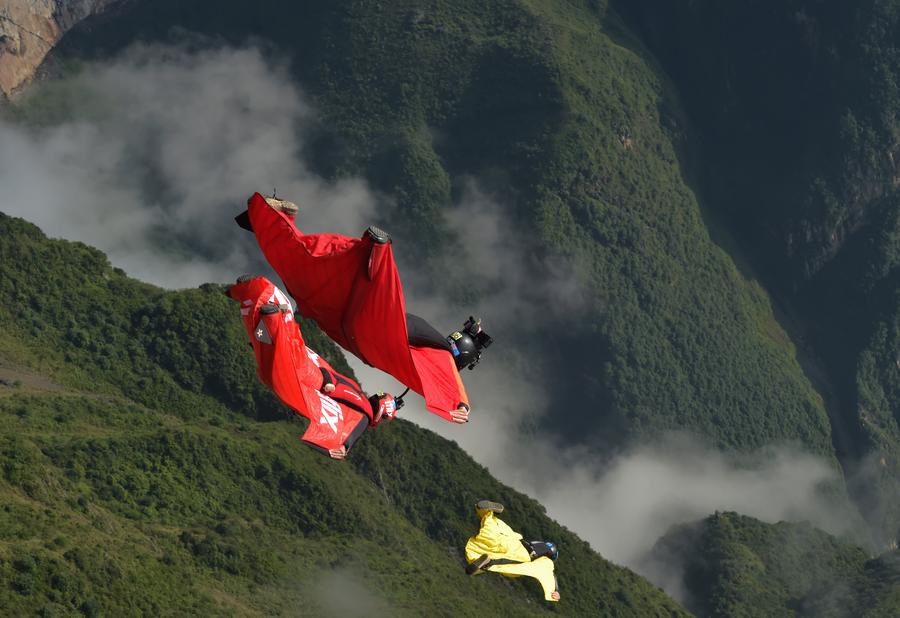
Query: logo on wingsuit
[331,412]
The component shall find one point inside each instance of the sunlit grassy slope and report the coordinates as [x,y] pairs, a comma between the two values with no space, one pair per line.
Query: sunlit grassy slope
[144,471]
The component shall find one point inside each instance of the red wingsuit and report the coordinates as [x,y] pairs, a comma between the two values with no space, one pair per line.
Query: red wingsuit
[351,288]
[296,373]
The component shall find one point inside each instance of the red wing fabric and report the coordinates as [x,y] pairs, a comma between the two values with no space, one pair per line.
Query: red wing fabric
[351,288]
[284,363]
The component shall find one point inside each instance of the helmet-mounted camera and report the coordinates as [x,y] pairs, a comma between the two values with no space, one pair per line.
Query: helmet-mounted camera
[467,344]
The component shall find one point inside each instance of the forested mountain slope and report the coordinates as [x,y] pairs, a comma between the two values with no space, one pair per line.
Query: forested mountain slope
[137,476]
[553,114]
[590,135]
[738,566]
[794,113]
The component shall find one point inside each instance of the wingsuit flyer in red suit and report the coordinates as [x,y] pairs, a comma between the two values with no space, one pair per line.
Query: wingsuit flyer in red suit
[337,408]
[351,288]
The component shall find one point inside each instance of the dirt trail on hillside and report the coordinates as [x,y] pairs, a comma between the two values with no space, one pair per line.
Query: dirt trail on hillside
[19,378]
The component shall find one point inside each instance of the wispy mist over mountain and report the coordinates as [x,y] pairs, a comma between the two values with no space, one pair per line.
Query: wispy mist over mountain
[153,157]
[157,150]
[678,219]
[624,502]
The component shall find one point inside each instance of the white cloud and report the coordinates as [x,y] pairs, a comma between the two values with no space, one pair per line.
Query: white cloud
[621,505]
[163,147]
[343,593]
[161,150]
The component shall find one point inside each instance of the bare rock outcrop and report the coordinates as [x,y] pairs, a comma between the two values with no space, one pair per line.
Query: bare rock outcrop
[28,31]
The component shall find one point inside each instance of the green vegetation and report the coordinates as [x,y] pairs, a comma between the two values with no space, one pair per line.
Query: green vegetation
[583,127]
[541,94]
[793,106]
[133,482]
[547,108]
[68,308]
[795,141]
[738,566]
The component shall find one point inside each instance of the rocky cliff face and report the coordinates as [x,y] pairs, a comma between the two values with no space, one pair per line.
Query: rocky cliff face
[28,31]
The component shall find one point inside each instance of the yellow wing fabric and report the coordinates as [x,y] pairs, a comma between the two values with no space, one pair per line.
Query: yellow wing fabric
[501,544]
[497,540]
[541,569]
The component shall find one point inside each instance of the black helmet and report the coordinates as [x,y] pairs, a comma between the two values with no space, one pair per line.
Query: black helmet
[467,344]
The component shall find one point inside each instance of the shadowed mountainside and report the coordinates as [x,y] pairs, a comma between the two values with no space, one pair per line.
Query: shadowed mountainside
[794,116]
[575,137]
[738,566]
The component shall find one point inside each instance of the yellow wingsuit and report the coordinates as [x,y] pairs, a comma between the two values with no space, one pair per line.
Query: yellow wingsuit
[500,542]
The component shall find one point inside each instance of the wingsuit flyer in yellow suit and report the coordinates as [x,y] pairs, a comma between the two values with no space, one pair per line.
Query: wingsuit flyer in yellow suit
[500,549]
